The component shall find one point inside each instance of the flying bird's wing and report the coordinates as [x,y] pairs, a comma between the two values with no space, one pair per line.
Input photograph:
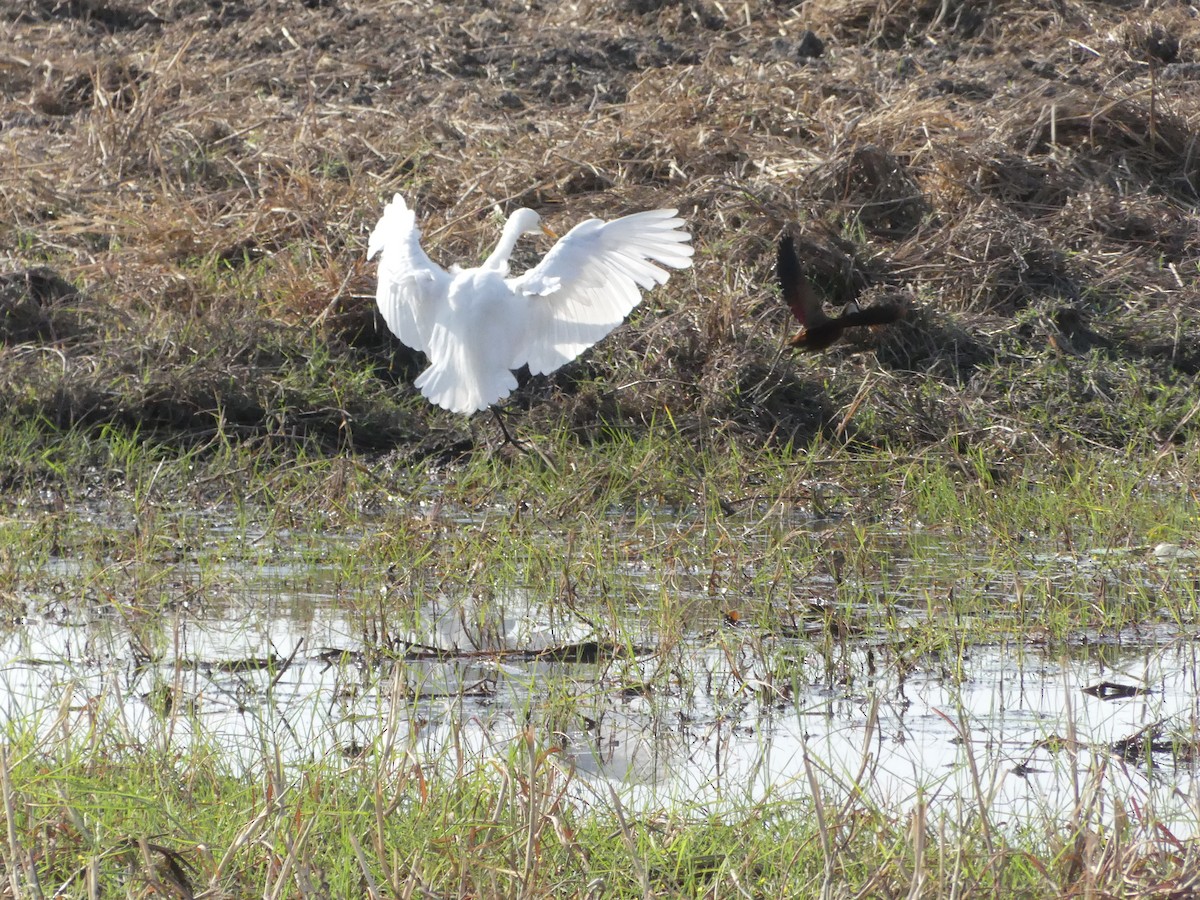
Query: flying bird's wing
[883,314]
[798,293]
[412,288]
[591,279]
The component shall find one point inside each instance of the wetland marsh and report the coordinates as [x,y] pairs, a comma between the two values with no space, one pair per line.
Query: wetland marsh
[912,617]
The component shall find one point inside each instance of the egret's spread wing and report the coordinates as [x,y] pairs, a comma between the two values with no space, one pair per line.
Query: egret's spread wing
[591,279]
[412,288]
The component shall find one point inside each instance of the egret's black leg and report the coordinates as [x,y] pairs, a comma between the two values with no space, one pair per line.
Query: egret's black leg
[523,446]
[508,438]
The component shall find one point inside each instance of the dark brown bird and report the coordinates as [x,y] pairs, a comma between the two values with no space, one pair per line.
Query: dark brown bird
[817,330]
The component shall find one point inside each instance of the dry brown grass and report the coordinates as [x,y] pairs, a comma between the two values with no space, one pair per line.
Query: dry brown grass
[1024,179]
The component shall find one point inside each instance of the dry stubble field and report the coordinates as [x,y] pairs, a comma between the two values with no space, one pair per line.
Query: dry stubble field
[188,187]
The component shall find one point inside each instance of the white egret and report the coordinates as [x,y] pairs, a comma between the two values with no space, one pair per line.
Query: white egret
[477,325]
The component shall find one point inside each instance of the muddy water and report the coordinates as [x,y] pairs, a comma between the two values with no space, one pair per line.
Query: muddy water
[730,713]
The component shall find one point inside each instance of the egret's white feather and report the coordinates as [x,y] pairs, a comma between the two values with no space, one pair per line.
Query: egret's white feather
[592,278]
[412,288]
[468,368]
[476,325]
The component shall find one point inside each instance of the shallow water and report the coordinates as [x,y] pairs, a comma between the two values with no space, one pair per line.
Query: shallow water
[275,662]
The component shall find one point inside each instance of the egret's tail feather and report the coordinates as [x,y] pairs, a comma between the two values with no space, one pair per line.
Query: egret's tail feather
[464,392]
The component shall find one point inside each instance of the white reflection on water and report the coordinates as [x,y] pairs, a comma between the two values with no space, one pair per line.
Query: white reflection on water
[719,731]
[283,670]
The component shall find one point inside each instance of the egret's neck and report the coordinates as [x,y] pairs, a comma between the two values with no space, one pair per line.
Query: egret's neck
[498,260]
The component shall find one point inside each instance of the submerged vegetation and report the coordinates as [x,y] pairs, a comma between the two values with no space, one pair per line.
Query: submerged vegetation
[274,626]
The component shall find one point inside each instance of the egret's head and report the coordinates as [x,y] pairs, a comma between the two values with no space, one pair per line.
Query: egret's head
[523,221]
[529,222]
